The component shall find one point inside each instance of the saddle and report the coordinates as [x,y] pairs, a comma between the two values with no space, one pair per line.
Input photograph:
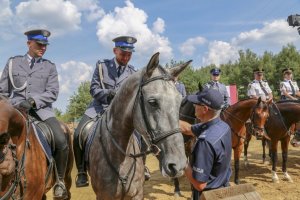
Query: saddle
[85,132]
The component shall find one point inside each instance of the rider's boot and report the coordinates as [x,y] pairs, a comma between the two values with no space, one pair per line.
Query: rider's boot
[61,160]
[82,177]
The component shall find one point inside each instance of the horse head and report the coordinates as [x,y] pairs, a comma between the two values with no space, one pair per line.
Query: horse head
[157,107]
[259,117]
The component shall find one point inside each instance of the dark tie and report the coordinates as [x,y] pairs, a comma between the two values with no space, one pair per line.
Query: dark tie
[119,71]
[263,88]
[293,89]
[32,63]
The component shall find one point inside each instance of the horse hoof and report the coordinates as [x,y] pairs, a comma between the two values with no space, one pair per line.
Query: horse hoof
[177,194]
[246,163]
[275,180]
[237,182]
[287,178]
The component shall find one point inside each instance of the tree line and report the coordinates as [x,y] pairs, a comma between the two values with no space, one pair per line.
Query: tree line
[239,73]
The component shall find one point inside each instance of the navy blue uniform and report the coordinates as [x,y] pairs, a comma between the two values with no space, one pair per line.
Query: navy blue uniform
[212,154]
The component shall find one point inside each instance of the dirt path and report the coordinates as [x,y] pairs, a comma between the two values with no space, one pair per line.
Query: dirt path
[160,188]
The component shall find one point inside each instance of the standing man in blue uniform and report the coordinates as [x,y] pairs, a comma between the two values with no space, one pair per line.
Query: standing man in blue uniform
[108,76]
[214,83]
[210,165]
[31,82]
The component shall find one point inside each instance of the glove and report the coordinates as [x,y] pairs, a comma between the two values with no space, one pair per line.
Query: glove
[110,95]
[27,104]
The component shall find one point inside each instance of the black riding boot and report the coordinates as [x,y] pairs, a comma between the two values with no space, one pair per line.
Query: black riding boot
[82,177]
[61,160]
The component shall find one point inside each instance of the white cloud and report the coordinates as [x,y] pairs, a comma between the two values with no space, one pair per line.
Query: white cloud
[57,15]
[92,11]
[5,11]
[189,46]
[275,33]
[0,73]
[158,26]
[220,52]
[130,20]
[71,74]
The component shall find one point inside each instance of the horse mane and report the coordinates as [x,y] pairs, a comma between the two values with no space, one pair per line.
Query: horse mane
[288,101]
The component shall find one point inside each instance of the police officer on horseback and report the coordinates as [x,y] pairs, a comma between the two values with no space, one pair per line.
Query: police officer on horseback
[259,87]
[214,83]
[31,82]
[290,91]
[107,78]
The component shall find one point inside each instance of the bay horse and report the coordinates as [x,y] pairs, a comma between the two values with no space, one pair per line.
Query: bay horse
[236,116]
[147,102]
[31,178]
[283,115]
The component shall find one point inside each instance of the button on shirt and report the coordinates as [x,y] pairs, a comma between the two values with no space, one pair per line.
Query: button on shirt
[285,86]
[254,89]
[212,153]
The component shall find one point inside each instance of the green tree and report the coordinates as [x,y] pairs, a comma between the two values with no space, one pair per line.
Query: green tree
[79,102]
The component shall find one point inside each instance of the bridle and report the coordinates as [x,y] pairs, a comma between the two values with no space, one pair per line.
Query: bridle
[154,136]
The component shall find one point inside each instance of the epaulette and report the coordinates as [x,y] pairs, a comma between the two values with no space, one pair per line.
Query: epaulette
[103,61]
[132,67]
[202,136]
[15,56]
[46,60]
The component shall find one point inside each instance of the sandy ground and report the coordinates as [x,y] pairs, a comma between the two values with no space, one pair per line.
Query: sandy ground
[257,174]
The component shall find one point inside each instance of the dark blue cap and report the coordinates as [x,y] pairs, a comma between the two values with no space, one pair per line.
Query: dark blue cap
[287,70]
[209,97]
[125,43]
[215,71]
[39,35]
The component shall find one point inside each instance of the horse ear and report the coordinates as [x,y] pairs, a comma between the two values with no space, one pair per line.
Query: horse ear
[175,71]
[152,65]
[258,101]
[200,87]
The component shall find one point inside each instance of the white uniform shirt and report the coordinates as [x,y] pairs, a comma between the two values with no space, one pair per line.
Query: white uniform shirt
[254,89]
[286,87]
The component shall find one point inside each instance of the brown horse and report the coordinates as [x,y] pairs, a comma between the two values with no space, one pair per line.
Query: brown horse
[279,127]
[147,102]
[31,178]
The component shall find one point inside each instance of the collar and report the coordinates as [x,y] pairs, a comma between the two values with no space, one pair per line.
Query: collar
[28,57]
[208,124]
[117,64]
[286,80]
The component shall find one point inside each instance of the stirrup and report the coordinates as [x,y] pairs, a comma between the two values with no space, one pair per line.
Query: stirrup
[64,194]
[147,173]
[82,184]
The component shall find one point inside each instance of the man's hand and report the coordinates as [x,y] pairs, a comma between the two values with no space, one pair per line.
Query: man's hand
[111,94]
[27,104]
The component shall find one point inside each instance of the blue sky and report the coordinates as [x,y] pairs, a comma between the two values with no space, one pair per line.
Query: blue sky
[206,31]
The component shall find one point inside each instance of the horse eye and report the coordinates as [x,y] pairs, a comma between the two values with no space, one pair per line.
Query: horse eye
[153,103]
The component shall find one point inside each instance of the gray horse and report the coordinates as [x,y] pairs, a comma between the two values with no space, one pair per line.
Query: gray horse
[147,102]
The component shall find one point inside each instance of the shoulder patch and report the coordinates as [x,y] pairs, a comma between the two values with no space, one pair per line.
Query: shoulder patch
[132,68]
[18,56]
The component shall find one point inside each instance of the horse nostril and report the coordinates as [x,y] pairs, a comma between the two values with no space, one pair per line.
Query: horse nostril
[172,168]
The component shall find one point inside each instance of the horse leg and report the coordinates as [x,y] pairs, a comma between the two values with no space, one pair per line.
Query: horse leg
[264,144]
[284,149]
[246,145]
[237,153]
[177,192]
[274,145]
[44,197]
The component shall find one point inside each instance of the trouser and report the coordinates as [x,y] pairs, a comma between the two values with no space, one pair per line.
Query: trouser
[61,146]
[79,153]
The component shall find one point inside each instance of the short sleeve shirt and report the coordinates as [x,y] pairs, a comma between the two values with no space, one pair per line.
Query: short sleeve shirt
[255,89]
[212,153]
[286,86]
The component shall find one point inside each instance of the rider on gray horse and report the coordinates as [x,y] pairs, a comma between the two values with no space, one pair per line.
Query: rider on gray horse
[108,76]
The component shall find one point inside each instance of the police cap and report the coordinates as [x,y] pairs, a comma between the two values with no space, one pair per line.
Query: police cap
[215,71]
[38,35]
[287,70]
[258,70]
[125,43]
[209,97]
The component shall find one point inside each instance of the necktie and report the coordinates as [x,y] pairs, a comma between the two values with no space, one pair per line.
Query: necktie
[263,88]
[32,63]
[119,71]
[293,89]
